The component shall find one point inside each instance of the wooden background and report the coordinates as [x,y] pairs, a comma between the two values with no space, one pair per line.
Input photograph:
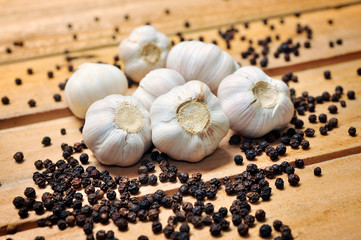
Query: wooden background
[326,207]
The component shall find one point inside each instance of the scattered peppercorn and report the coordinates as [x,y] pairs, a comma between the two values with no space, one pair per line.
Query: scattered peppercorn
[327,74]
[352,131]
[30,192]
[57,97]
[351,95]
[265,231]
[32,103]
[5,100]
[293,179]
[30,71]
[260,215]
[46,141]
[322,118]
[19,157]
[305,144]
[215,229]
[323,131]
[238,159]
[156,227]
[299,163]
[317,171]
[332,109]
[242,229]
[339,41]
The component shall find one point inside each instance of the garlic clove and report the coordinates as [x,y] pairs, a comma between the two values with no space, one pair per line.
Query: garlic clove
[144,50]
[254,102]
[188,122]
[203,61]
[91,82]
[117,130]
[157,83]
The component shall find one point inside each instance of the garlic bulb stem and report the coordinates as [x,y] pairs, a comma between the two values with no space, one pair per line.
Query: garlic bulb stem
[129,118]
[150,53]
[193,117]
[266,94]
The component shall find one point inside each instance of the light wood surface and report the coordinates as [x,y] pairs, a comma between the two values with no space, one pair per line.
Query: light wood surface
[40,88]
[325,207]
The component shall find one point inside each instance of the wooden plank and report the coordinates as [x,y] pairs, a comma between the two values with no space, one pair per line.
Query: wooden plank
[326,200]
[42,25]
[28,139]
[42,89]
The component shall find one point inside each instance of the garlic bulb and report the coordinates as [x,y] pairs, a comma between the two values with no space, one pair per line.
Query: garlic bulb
[188,122]
[117,130]
[254,102]
[91,82]
[202,61]
[156,83]
[145,49]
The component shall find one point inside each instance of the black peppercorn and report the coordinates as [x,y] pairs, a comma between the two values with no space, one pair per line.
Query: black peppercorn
[46,141]
[242,230]
[215,229]
[260,215]
[351,95]
[323,131]
[238,159]
[5,100]
[122,224]
[310,132]
[277,224]
[279,183]
[265,231]
[250,154]
[312,118]
[327,74]
[343,103]
[298,123]
[293,179]
[29,71]
[156,227]
[305,144]
[299,163]
[84,158]
[352,131]
[23,212]
[19,157]
[322,118]
[317,171]
[57,97]
[32,103]
[18,202]
[281,149]
[332,109]
[183,177]
[142,237]
[235,140]
[30,192]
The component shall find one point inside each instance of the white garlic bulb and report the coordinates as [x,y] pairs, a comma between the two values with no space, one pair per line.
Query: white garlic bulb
[156,83]
[188,122]
[202,61]
[254,102]
[117,130]
[91,82]
[145,49]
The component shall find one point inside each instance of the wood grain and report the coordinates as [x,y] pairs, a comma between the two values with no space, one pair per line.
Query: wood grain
[339,143]
[328,213]
[42,89]
[42,25]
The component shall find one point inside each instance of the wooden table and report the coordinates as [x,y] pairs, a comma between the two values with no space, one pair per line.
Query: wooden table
[326,207]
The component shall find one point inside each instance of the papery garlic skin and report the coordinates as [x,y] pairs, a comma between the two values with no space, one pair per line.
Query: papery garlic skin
[202,61]
[117,130]
[188,122]
[91,82]
[157,83]
[254,102]
[145,49]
